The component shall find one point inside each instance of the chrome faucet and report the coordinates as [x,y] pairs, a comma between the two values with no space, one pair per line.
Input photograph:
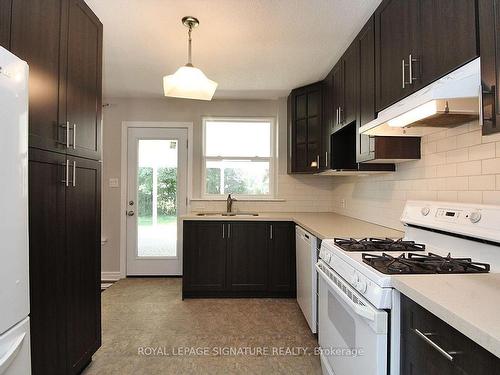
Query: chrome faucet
[229,202]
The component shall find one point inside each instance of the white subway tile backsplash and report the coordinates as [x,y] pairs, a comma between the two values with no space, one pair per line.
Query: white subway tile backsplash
[469,139]
[491,197]
[483,182]
[483,151]
[491,166]
[469,168]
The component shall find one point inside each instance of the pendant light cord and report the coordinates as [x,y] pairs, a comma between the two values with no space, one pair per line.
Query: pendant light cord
[189,46]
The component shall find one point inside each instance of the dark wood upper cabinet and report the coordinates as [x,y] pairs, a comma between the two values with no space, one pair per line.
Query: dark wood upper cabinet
[366,40]
[489,31]
[420,41]
[47,261]
[395,32]
[5,15]
[349,110]
[281,256]
[204,256]
[447,36]
[38,37]
[305,111]
[247,256]
[328,120]
[338,93]
[83,81]
[83,239]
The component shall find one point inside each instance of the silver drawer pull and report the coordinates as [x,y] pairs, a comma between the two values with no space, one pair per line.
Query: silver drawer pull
[424,336]
[74,136]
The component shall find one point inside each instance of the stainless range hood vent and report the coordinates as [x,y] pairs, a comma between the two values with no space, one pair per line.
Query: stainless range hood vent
[450,101]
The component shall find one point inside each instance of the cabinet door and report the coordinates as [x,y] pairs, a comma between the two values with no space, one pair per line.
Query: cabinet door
[38,37]
[47,262]
[489,25]
[338,94]
[204,256]
[447,34]
[366,40]
[300,139]
[281,257]
[247,256]
[84,80]
[5,13]
[328,120]
[314,117]
[395,33]
[83,267]
[351,89]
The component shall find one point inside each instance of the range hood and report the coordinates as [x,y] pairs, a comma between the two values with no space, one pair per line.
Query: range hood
[450,101]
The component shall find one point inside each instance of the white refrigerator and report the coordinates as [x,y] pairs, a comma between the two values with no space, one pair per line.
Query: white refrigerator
[14,277]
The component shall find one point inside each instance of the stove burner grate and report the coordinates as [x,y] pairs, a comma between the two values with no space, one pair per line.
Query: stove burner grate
[377,244]
[431,263]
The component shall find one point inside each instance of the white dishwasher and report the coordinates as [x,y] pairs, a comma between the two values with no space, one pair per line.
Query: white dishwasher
[307,277]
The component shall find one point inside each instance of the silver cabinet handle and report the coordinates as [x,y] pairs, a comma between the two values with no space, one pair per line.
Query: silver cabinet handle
[410,67]
[74,173]
[338,116]
[341,115]
[66,128]
[271,231]
[317,161]
[403,70]
[229,231]
[66,179]
[326,159]
[74,137]
[424,336]
[223,231]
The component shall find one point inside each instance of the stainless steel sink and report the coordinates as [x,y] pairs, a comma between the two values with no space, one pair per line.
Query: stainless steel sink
[227,214]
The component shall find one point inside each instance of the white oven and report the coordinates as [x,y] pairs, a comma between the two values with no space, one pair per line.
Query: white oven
[352,333]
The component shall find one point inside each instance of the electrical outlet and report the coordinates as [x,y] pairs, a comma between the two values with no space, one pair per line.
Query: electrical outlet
[342,203]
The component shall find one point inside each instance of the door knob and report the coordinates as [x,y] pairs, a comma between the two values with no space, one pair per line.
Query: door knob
[130,213]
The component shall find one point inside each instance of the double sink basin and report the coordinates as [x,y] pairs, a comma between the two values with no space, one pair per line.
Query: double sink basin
[227,214]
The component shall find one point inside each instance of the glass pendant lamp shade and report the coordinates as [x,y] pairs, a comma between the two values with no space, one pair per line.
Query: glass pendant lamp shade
[189,82]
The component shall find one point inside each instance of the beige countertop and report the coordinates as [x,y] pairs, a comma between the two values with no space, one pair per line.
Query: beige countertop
[468,303]
[321,225]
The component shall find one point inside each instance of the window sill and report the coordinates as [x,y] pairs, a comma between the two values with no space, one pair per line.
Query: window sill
[246,199]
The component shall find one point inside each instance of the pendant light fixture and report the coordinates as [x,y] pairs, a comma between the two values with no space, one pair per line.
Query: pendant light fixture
[189,82]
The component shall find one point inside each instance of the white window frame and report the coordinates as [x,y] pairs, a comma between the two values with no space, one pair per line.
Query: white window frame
[271,158]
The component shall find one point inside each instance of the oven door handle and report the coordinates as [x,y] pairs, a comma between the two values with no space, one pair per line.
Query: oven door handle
[363,311]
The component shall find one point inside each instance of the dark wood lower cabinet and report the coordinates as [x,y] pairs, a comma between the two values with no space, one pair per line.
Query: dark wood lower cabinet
[204,256]
[248,249]
[238,259]
[83,239]
[432,347]
[5,16]
[47,262]
[64,262]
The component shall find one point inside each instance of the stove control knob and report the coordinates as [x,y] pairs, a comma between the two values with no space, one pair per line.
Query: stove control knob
[425,211]
[355,279]
[474,217]
[362,286]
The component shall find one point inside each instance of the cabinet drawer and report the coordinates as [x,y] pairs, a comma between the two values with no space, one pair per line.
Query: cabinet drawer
[431,346]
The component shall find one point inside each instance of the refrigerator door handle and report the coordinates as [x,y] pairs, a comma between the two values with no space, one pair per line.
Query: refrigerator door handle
[7,358]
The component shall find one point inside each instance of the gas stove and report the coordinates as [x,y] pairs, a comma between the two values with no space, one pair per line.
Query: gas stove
[412,263]
[378,244]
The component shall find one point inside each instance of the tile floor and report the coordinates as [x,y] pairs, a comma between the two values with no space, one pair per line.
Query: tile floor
[146,314]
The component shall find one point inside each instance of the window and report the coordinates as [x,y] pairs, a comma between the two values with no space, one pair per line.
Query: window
[238,157]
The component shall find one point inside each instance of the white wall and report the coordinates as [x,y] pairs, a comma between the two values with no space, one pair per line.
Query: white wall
[296,193]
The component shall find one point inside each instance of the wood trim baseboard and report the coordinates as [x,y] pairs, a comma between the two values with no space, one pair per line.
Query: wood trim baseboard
[110,276]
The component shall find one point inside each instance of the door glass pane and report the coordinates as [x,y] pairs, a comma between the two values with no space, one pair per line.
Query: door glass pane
[157,198]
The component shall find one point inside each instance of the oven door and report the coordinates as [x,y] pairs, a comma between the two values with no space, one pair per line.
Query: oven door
[352,333]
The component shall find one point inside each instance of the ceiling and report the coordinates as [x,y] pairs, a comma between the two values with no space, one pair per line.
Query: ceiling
[254,49]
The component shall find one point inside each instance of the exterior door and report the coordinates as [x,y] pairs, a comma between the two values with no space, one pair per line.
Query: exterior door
[156,196]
